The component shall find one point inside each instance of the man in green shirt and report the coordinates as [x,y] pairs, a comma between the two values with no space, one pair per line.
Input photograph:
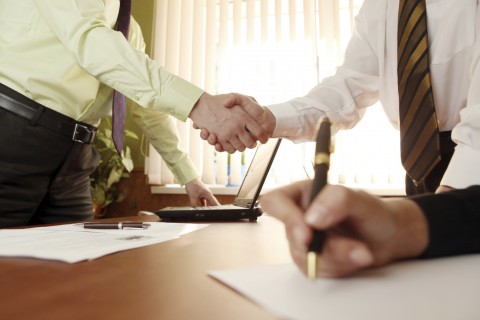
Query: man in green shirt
[61,60]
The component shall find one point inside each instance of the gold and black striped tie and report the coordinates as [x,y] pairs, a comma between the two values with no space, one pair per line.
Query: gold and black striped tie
[420,145]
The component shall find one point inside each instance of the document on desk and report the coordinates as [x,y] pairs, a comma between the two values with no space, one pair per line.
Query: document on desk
[437,289]
[72,243]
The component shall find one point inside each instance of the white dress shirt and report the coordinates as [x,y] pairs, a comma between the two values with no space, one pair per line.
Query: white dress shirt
[369,74]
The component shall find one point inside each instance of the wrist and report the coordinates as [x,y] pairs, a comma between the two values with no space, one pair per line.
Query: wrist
[271,121]
[411,238]
[196,107]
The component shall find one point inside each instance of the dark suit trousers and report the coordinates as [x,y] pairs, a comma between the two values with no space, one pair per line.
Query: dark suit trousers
[44,177]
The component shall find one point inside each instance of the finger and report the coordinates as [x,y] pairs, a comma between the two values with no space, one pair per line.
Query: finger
[197,202]
[333,205]
[243,140]
[343,256]
[227,147]
[252,113]
[253,108]
[234,99]
[219,148]
[211,200]
[359,214]
[285,205]
[300,258]
[204,134]
[282,201]
[212,139]
[238,144]
[247,139]
[245,127]
[256,131]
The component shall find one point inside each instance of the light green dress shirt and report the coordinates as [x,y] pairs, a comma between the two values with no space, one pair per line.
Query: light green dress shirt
[65,55]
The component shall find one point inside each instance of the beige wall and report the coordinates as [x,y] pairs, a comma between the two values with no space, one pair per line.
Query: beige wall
[143,11]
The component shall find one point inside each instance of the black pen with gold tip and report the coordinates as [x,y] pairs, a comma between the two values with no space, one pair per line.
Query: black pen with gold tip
[321,163]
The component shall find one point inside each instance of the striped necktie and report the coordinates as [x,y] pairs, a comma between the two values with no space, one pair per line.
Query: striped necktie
[119,108]
[420,144]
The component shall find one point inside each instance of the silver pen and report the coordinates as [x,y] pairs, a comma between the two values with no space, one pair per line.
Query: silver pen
[116,225]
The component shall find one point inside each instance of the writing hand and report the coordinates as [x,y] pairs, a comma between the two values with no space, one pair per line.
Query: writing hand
[199,194]
[362,231]
[233,128]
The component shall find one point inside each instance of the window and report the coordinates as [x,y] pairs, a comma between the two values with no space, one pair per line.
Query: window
[273,50]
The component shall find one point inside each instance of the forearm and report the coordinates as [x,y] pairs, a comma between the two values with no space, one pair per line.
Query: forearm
[453,222]
[160,129]
[84,29]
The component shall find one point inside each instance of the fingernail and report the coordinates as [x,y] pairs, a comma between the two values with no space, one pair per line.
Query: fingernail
[317,214]
[361,256]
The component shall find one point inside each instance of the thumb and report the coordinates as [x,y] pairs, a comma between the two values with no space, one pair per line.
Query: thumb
[235,99]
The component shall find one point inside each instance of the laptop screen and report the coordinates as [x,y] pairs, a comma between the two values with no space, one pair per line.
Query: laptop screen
[257,173]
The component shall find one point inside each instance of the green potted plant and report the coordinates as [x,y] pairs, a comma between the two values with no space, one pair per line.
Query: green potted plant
[111,168]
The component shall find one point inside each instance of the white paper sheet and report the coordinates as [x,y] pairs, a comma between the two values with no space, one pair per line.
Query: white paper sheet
[439,289]
[72,243]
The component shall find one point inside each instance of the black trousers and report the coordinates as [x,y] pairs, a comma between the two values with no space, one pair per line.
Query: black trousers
[44,176]
[432,181]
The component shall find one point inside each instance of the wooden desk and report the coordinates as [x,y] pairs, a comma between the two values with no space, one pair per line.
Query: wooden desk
[163,281]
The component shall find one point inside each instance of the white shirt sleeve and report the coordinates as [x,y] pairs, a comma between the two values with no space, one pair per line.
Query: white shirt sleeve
[463,170]
[343,96]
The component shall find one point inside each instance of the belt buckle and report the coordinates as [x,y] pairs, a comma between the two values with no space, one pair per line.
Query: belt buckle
[83,134]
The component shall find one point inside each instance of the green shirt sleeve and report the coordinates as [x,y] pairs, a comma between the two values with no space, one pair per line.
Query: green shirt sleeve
[162,132]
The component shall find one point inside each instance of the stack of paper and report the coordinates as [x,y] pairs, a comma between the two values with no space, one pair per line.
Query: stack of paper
[72,243]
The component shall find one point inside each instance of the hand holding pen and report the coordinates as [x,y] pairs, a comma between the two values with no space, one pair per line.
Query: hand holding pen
[366,231]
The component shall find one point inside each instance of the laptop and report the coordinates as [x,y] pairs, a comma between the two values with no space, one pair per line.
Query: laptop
[245,205]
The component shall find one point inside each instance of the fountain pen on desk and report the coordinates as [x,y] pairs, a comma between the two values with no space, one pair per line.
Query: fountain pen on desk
[322,163]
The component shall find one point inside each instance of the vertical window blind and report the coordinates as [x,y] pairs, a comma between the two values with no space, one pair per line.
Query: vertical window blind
[273,50]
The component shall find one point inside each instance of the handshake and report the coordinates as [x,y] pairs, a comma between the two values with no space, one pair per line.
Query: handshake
[232,122]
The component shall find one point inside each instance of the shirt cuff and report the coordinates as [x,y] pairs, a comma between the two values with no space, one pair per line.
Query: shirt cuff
[178,98]
[184,170]
[287,121]
[459,173]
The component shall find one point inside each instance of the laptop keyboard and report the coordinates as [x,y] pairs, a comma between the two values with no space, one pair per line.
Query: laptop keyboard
[220,207]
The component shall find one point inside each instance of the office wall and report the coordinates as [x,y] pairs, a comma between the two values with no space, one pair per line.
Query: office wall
[143,11]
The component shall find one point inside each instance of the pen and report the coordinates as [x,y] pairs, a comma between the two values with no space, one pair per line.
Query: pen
[116,225]
[322,163]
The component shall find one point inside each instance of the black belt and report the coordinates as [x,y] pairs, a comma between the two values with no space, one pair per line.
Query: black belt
[38,114]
